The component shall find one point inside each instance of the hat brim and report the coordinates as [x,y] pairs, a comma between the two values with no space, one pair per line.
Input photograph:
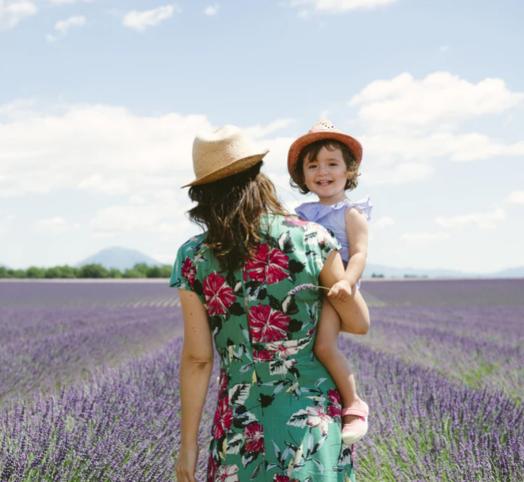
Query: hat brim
[294,151]
[226,171]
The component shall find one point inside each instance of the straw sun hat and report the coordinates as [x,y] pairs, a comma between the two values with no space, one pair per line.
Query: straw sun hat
[323,130]
[222,153]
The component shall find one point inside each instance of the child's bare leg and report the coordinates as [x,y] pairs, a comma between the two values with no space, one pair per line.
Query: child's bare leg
[326,350]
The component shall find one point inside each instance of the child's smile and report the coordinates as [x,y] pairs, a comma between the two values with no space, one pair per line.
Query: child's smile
[326,175]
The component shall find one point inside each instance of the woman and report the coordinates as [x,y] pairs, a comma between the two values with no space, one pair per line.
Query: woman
[249,282]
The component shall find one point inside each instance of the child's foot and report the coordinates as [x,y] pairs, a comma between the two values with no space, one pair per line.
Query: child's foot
[355,421]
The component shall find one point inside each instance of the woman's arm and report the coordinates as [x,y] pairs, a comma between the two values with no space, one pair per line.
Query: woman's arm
[357,234]
[195,371]
[352,310]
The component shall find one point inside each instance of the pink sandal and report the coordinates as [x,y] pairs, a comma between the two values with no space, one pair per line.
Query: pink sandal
[357,428]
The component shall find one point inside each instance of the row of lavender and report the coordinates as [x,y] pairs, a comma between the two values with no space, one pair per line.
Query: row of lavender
[121,423]
[124,426]
[481,348]
[44,349]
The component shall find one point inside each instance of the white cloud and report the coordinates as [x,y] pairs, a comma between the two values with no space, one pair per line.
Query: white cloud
[398,173]
[17,109]
[6,222]
[211,10]
[336,6]
[68,2]
[409,125]
[260,131]
[142,20]
[483,220]
[96,148]
[385,148]
[440,99]
[12,12]
[109,150]
[155,217]
[63,26]
[54,225]
[516,197]
[383,222]
[418,237]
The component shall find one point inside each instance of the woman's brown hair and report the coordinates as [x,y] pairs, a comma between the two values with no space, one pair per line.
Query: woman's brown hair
[311,152]
[230,210]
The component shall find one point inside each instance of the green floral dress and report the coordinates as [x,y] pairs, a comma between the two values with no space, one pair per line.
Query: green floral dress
[278,414]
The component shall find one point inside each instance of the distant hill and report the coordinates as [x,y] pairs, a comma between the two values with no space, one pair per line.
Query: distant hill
[508,273]
[124,258]
[396,272]
[401,272]
[120,258]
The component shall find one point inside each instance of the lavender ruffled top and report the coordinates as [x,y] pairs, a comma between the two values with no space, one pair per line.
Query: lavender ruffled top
[332,217]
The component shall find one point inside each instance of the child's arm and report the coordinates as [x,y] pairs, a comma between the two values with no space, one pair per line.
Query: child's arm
[357,233]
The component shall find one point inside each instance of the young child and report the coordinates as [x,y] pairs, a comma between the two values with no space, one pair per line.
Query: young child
[325,161]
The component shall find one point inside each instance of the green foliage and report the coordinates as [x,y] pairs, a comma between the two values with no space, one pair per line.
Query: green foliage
[115,273]
[64,271]
[35,272]
[93,271]
[139,270]
[133,273]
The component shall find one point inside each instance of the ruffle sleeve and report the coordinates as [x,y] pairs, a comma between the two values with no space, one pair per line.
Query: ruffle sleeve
[364,206]
[315,211]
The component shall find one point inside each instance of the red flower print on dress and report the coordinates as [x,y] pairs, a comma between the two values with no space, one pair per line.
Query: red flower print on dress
[262,355]
[267,324]
[268,265]
[227,473]
[283,478]
[254,436]
[189,271]
[334,408]
[212,466]
[223,418]
[222,383]
[219,295]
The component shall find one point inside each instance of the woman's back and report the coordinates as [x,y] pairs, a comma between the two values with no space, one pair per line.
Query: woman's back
[278,413]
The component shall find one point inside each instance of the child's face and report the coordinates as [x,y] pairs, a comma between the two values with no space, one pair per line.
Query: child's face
[326,175]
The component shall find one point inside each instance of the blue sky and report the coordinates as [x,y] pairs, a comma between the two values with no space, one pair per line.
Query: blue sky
[100,101]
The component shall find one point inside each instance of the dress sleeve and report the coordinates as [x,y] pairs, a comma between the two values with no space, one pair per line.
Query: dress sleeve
[183,274]
[365,206]
[320,243]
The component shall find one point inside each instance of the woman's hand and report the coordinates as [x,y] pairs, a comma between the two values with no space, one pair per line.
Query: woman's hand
[186,464]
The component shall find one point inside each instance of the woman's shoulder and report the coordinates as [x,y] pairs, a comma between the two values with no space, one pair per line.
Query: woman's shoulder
[294,221]
[310,232]
[192,245]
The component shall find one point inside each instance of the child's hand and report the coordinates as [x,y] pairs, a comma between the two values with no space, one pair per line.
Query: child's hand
[342,290]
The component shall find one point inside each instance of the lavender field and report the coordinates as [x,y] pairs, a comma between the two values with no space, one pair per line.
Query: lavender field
[88,381]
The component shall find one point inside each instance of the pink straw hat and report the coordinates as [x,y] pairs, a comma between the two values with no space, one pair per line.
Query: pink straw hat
[323,130]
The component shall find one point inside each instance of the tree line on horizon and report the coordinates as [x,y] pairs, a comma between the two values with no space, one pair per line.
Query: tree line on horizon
[94,270]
